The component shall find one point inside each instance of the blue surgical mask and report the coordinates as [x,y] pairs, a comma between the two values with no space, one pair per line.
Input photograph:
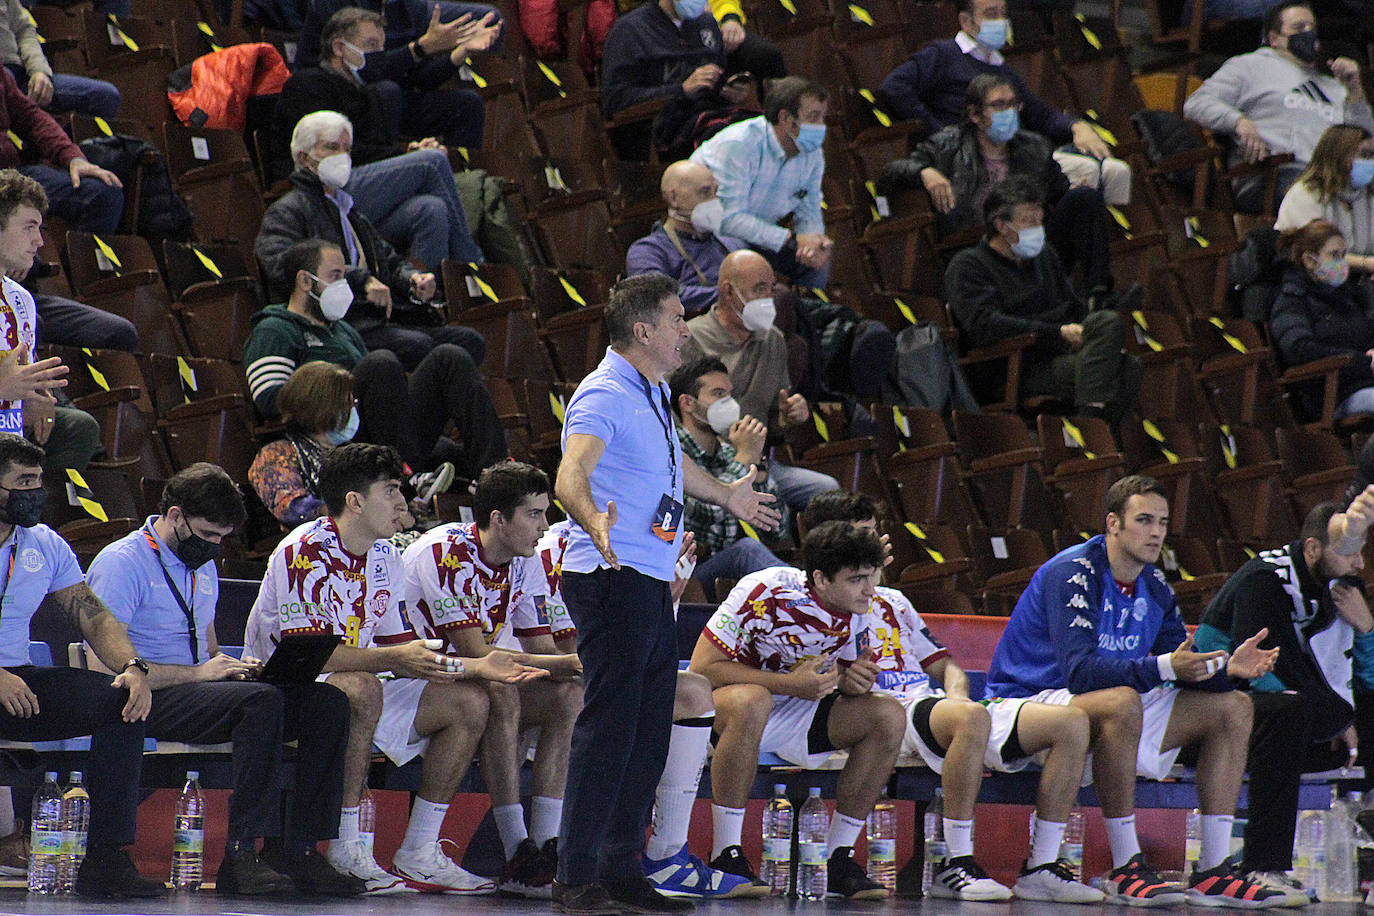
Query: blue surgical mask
[1005,125]
[1361,173]
[992,33]
[689,9]
[1029,242]
[811,137]
[350,429]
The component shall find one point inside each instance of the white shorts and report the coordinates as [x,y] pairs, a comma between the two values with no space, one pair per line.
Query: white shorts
[786,733]
[1003,712]
[1158,706]
[395,735]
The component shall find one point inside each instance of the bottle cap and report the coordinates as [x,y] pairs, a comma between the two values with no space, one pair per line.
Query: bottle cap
[192,774]
[50,776]
[815,791]
[77,776]
[779,788]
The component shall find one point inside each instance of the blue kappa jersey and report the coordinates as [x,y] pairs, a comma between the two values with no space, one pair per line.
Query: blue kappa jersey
[1073,627]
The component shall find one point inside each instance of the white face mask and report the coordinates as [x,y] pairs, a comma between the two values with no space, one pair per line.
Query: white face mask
[355,69]
[334,170]
[758,314]
[722,415]
[335,299]
[707,215]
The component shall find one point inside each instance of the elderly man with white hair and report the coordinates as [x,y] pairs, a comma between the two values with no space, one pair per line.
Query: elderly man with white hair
[392,300]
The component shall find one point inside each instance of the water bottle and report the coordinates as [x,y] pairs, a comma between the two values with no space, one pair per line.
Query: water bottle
[188,836]
[1340,851]
[76,822]
[776,871]
[882,843]
[936,850]
[811,860]
[45,848]
[1192,845]
[1310,851]
[367,820]
[1071,847]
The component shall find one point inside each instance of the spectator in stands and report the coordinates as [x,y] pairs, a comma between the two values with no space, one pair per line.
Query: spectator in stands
[424,50]
[769,168]
[409,412]
[931,86]
[1098,628]
[340,575]
[21,51]
[161,583]
[685,245]
[71,436]
[1275,100]
[405,190]
[739,331]
[1011,283]
[479,588]
[725,443]
[1318,313]
[959,165]
[394,304]
[1335,187]
[792,678]
[1312,710]
[745,51]
[49,703]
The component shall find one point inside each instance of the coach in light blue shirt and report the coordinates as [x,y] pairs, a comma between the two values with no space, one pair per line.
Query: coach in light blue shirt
[622,480]
[769,168]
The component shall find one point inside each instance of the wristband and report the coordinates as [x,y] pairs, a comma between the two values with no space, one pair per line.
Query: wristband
[1166,666]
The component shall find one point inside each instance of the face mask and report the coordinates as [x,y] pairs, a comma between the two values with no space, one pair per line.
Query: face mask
[355,70]
[689,9]
[194,550]
[25,507]
[1303,46]
[811,137]
[350,429]
[992,33]
[722,415]
[1029,242]
[1332,273]
[1361,173]
[1004,126]
[334,170]
[335,299]
[758,314]
[707,215]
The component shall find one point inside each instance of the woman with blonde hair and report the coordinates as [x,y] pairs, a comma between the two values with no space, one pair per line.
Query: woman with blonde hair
[1336,187]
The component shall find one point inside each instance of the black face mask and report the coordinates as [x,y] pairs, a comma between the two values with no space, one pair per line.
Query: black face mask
[1303,46]
[194,550]
[24,508]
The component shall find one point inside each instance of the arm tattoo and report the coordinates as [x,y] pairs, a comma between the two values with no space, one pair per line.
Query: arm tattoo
[83,608]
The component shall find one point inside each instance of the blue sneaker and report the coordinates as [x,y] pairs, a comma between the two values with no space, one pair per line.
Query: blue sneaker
[684,875]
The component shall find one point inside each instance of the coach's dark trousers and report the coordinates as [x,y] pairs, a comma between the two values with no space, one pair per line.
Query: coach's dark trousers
[627,640]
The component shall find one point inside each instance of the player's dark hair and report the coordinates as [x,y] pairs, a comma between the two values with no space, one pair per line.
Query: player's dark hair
[1273,17]
[686,379]
[833,546]
[353,468]
[1007,195]
[503,487]
[786,94]
[1132,485]
[1318,520]
[204,490]
[840,506]
[16,450]
[636,300]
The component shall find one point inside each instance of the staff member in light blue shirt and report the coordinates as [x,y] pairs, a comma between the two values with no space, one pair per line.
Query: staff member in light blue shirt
[622,479]
[769,168]
[161,581]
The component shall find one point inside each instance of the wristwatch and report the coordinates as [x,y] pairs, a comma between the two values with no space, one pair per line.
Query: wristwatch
[135,662]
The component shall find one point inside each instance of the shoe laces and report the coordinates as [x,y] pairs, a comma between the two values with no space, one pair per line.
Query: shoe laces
[1061,869]
[968,866]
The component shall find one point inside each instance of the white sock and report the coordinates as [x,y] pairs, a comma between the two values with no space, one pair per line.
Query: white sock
[1216,840]
[844,830]
[426,818]
[1045,842]
[1122,839]
[677,788]
[959,837]
[510,823]
[545,815]
[6,812]
[348,824]
[726,826]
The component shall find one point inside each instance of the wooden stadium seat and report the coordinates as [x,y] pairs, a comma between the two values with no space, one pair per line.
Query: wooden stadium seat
[119,274]
[1316,466]
[1003,468]
[1004,560]
[513,347]
[1248,481]
[109,385]
[576,340]
[557,292]
[1081,462]
[575,231]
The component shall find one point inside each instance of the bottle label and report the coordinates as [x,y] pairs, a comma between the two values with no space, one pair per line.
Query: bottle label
[882,850]
[812,853]
[368,839]
[777,849]
[46,843]
[185,840]
[936,850]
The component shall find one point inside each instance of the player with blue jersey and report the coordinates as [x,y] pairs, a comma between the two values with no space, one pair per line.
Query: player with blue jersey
[1099,628]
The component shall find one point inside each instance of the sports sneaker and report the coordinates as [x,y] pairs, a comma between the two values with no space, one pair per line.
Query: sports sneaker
[353,858]
[1053,881]
[1295,893]
[1224,885]
[1137,884]
[961,878]
[430,871]
[430,483]
[527,873]
[844,877]
[684,875]
[733,862]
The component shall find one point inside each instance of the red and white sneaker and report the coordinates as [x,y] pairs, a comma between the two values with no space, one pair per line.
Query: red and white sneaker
[429,870]
[355,859]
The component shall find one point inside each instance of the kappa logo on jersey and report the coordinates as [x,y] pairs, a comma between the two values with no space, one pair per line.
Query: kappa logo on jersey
[1080,580]
[1159,577]
[1078,601]
[1084,562]
[1080,621]
[299,562]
